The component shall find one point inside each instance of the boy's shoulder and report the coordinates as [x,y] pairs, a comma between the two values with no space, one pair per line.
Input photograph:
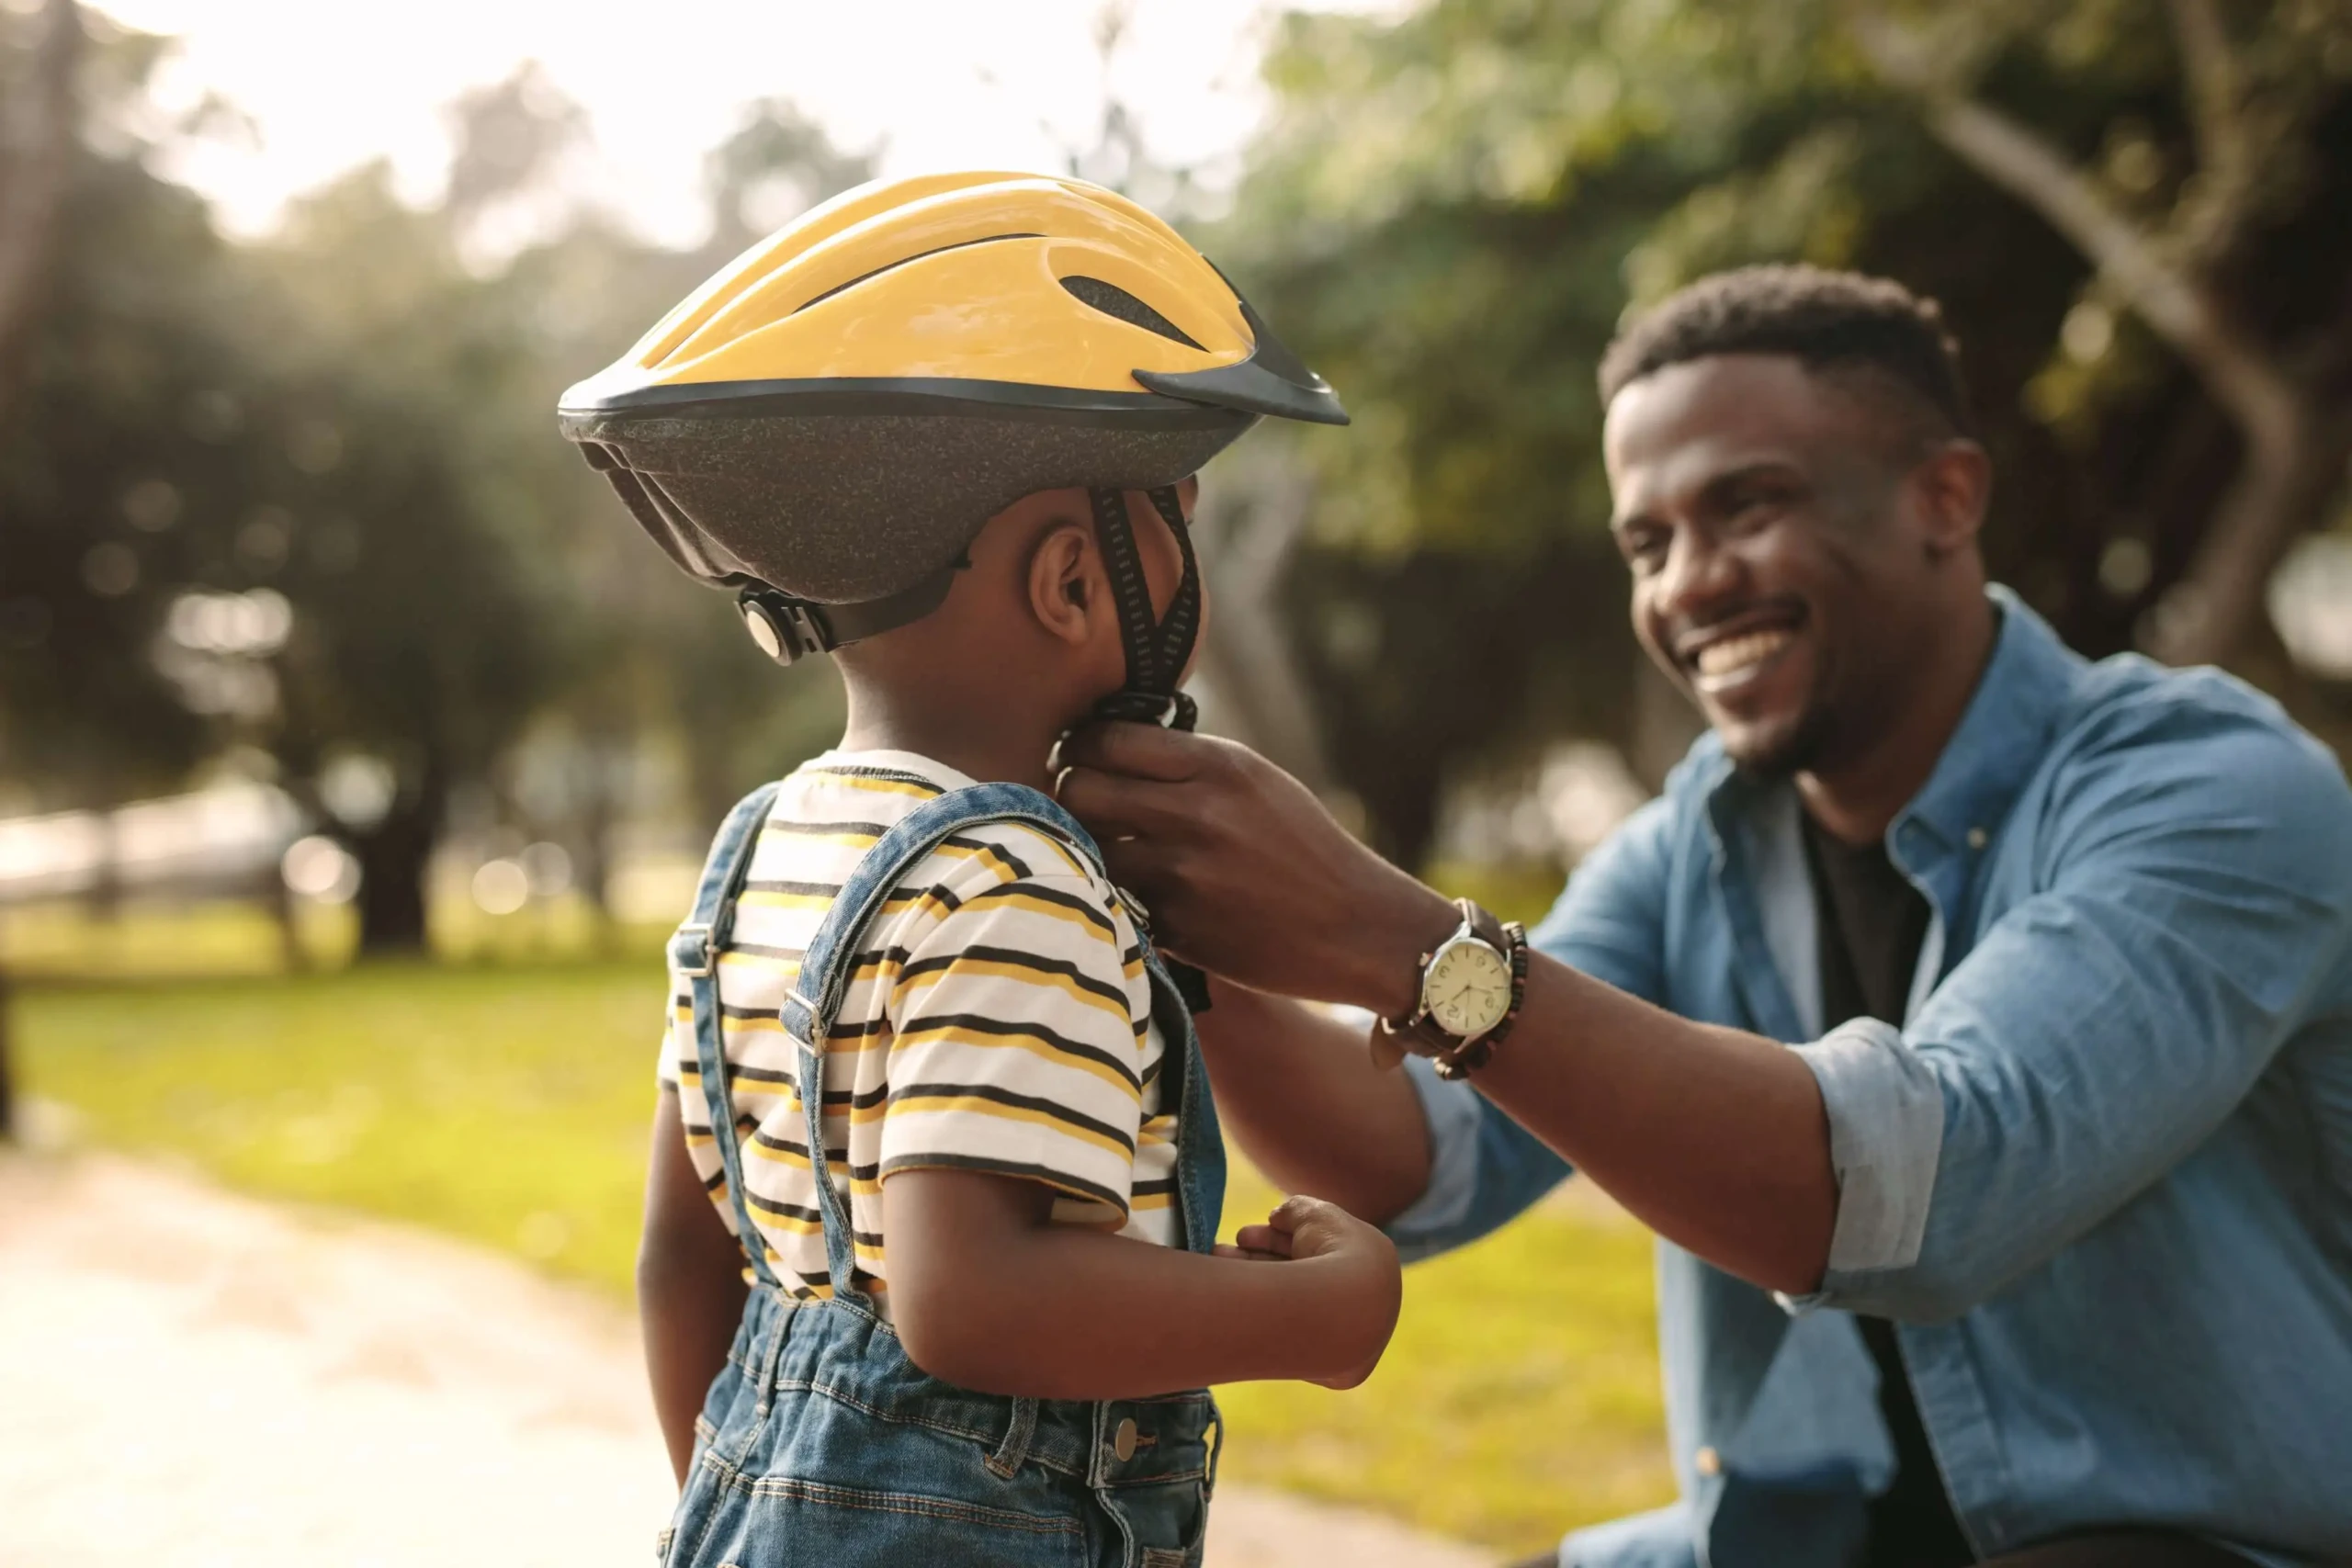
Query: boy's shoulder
[850,801]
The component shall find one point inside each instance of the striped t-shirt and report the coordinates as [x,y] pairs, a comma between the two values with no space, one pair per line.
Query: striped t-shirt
[998,1020]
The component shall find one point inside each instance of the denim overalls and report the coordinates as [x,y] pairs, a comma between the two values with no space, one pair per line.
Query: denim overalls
[821,1443]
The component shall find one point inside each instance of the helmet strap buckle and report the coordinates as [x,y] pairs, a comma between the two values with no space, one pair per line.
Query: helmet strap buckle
[786,630]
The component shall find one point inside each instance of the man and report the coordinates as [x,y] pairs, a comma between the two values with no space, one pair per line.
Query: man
[1973,1023]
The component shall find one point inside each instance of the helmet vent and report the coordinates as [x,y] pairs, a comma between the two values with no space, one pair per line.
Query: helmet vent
[1114,300]
[892,266]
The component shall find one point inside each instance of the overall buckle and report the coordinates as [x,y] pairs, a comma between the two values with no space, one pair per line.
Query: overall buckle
[693,954]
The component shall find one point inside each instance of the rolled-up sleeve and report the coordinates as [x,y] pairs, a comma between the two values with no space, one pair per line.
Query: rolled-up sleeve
[1485,1169]
[1886,1132]
[2193,889]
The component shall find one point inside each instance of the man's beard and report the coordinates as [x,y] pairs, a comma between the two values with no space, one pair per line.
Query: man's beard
[1800,749]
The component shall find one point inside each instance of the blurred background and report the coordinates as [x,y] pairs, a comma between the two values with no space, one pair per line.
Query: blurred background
[355,749]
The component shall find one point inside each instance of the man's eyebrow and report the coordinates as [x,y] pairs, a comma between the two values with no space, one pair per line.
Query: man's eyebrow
[1713,493]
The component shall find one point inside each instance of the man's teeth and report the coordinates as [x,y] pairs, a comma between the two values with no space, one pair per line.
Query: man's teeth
[1737,653]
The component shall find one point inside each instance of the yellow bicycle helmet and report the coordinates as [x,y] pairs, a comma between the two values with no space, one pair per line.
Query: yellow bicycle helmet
[828,421]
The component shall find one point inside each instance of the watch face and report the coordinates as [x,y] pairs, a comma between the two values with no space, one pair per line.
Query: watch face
[1467,989]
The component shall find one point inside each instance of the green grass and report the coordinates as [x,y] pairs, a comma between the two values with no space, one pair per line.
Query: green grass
[509,1105]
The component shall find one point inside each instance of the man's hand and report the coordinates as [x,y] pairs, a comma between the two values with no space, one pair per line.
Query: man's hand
[1368,1284]
[1244,871]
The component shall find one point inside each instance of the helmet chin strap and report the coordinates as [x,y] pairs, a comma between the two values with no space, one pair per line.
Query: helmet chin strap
[1157,647]
[1158,650]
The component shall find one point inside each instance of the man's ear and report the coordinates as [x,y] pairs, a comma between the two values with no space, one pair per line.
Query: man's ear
[1063,594]
[1955,483]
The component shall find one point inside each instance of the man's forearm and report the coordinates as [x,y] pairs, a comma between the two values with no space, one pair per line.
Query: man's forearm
[1715,1138]
[1718,1139]
[1296,1091]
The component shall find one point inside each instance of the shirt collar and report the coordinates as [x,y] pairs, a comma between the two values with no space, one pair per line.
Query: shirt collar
[2002,737]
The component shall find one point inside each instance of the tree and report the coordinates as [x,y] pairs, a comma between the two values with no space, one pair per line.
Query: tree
[191,441]
[2170,232]
[36,126]
[35,158]
[1450,212]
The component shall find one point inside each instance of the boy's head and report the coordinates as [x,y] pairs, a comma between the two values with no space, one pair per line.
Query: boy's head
[931,371]
[1031,626]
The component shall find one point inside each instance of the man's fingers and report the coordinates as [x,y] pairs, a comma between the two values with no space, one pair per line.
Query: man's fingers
[1138,751]
[1115,804]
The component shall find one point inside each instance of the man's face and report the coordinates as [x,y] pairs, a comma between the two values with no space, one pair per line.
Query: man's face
[1778,575]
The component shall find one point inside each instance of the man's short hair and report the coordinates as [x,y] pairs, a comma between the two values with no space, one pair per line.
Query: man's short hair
[1829,321]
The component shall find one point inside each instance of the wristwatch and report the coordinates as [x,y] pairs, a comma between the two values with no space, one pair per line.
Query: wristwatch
[1469,987]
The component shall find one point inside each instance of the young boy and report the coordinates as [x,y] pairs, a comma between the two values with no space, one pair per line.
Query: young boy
[925,1062]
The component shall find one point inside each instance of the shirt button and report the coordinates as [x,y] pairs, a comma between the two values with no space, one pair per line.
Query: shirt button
[1122,1441]
[1708,1461]
[1976,837]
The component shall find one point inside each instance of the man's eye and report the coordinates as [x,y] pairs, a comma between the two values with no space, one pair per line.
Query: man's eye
[1643,547]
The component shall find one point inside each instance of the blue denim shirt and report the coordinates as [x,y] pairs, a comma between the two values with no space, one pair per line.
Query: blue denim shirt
[2102,1176]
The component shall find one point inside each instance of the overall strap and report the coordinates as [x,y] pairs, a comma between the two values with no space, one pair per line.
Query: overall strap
[1200,1143]
[694,958]
[831,957]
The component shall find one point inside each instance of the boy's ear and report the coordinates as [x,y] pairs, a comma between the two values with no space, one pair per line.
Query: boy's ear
[1062,574]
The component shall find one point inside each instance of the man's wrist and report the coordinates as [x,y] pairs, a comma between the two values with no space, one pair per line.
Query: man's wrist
[1386,980]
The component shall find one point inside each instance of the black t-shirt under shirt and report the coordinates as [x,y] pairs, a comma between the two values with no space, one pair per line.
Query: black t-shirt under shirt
[1871,924]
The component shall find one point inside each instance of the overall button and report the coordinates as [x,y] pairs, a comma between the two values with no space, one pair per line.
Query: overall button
[1122,1441]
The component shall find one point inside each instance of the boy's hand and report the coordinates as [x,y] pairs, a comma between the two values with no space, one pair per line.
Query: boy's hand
[1366,1281]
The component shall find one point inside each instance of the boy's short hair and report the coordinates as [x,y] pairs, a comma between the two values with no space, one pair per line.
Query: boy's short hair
[1827,320]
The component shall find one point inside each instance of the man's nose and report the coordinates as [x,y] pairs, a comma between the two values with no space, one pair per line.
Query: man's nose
[1699,578]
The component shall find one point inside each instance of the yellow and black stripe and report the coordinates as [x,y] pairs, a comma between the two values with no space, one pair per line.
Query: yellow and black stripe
[998,1020]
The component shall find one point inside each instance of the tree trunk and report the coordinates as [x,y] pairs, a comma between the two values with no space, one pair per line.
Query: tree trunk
[36,134]
[394,858]
[278,900]
[40,127]
[1247,532]
[608,761]
[2290,472]
[7,1063]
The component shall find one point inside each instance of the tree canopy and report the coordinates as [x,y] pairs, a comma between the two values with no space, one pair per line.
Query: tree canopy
[1451,211]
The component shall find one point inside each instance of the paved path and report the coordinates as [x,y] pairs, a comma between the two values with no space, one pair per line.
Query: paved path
[193,1379]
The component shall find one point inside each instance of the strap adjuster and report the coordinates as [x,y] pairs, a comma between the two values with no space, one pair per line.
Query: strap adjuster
[692,952]
[786,630]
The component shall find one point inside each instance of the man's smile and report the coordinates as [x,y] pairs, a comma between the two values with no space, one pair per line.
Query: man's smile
[1732,653]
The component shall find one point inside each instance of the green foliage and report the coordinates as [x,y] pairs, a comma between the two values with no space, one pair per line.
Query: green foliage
[510,1106]
[1451,210]
[356,415]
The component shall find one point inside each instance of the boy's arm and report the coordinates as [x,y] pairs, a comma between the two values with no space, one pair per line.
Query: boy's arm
[689,1284]
[988,1294]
